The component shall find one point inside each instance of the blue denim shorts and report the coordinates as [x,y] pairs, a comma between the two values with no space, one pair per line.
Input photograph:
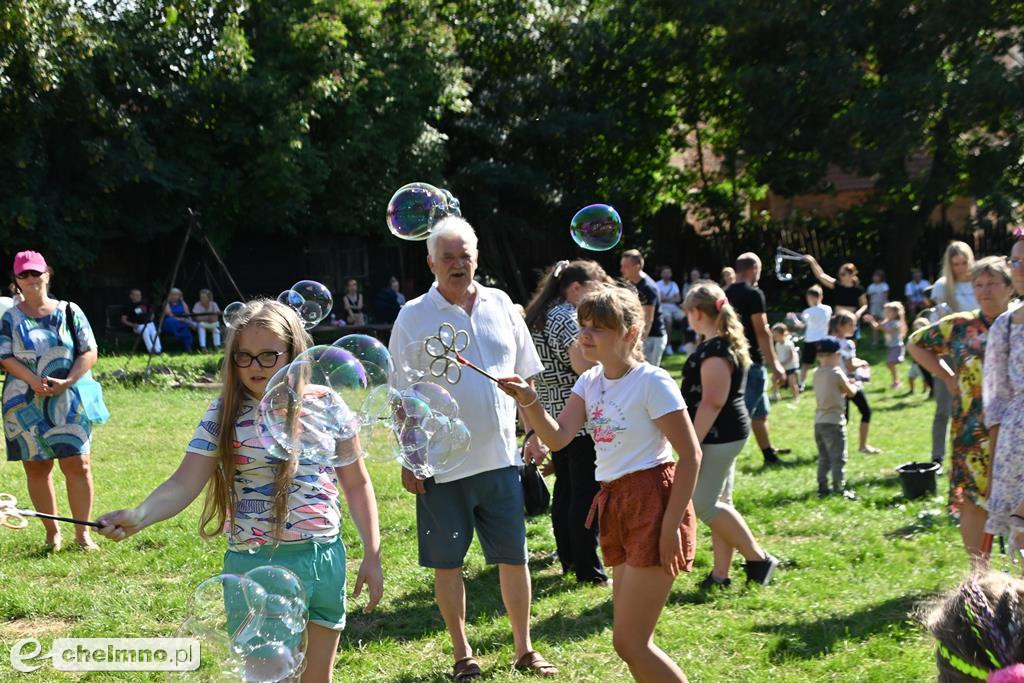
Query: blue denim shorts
[489,502]
[320,567]
[754,395]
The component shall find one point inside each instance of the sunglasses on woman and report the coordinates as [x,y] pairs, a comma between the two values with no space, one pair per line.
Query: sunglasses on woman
[27,274]
[267,359]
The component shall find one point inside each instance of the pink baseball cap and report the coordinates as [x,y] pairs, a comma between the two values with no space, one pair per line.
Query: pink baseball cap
[29,260]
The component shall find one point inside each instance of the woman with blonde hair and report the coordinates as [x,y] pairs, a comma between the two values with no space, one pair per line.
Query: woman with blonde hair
[952,293]
[713,379]
[177,319]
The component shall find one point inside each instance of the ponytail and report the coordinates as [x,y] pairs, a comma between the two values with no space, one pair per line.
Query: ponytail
[553,283]
[708,298]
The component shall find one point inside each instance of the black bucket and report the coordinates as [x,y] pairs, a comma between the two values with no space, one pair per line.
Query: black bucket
[918,478]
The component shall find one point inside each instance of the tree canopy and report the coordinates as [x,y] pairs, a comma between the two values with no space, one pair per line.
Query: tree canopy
[301,117]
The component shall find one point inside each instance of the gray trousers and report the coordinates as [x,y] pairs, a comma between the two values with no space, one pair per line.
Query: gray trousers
[940,423]
[714,482]
[831,441]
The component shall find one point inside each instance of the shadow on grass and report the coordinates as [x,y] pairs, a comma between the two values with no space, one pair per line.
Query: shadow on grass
[416,614]
[810,640]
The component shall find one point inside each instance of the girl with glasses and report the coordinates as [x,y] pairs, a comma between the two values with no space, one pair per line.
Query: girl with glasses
[260,498]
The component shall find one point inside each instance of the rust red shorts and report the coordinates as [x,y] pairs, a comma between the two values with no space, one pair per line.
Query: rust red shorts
[630,510]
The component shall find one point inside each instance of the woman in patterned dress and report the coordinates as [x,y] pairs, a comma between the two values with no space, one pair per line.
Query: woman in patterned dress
[960,338]
[551,317]
[44,419]
[1003,394]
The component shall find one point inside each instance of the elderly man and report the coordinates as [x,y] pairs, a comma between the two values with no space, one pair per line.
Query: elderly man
[748,300]
[484,493]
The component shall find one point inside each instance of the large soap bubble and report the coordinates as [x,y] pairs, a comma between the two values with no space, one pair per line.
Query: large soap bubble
[597,227]
[250,628]
[370,399]
[416,207]
[303,409]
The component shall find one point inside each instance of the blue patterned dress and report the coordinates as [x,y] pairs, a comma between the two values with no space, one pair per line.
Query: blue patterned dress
[44,427]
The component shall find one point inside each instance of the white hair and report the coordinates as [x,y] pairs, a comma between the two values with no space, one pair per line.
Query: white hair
[452,226]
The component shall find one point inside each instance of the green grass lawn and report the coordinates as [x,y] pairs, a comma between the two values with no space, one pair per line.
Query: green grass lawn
[841,608]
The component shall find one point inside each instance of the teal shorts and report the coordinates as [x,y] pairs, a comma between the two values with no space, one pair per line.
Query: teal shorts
[320,567]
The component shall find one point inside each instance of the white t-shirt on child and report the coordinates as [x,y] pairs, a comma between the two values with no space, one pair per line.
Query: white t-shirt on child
[313,510]
[816,319]
[621,414]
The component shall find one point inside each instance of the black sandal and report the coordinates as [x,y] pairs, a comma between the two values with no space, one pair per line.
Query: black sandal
[466,670]
[533,662]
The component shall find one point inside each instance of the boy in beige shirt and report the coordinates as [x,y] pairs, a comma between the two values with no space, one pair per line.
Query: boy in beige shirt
[831,388]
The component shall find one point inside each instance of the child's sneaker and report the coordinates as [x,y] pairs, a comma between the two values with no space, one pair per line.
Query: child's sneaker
[711,583]
[760,571]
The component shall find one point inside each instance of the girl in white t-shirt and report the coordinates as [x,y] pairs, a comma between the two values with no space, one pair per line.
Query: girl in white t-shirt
[878,297]
[636,416]
[274,510]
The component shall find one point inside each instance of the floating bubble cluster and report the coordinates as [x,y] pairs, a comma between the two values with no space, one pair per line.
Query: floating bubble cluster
[432,440]
[250,627]
[416,207]
[310,299]
[315,407]
[597,227]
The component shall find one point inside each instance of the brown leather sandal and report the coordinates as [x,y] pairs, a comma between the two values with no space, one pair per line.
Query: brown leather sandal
[533,662]
[466,670]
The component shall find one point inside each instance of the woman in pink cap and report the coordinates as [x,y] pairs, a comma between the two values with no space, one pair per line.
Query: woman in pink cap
[46,346]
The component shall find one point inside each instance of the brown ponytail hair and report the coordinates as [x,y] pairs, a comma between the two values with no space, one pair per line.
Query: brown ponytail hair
[553,283]
[708,298]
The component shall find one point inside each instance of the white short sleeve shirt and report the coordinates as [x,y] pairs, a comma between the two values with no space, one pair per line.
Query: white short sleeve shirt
[621,414]
[500,344]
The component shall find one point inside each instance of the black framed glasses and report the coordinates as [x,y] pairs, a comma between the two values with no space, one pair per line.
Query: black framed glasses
[28,273]
[266,359]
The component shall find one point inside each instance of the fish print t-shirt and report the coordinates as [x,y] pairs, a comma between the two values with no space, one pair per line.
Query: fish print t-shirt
[313,511]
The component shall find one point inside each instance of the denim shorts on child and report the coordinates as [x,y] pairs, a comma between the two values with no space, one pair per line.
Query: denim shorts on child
[630,510]
[490,502]
[320,566]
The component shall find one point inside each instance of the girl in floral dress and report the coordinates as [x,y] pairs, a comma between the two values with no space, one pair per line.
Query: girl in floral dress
[960,338]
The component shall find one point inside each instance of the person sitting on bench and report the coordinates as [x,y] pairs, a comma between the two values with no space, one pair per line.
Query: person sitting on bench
[138,317]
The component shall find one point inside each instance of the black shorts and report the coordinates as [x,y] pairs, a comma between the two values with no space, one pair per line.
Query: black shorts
[809,353]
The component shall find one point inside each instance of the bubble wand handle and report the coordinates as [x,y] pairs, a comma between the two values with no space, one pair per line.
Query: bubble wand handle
[71,520]
[468,364]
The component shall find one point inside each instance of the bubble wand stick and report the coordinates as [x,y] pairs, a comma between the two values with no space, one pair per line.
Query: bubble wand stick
[14,518]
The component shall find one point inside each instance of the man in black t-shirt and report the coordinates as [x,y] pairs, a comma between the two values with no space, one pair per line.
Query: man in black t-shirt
[655,339]
[138,318]
[749,302]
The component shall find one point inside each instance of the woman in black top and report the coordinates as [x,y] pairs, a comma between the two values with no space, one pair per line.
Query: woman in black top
[713,380]
[848,295]
[352,302]
[551,318]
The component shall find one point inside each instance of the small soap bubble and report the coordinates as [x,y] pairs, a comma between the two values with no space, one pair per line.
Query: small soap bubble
[597,227]
[231,311]
[317,302]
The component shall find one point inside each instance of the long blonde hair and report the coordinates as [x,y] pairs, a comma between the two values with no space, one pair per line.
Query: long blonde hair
[708,298]
[955,248]
[614,307]
[220,503]
[901,315]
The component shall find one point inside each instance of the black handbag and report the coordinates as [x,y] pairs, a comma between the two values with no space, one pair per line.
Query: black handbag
[536,496]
